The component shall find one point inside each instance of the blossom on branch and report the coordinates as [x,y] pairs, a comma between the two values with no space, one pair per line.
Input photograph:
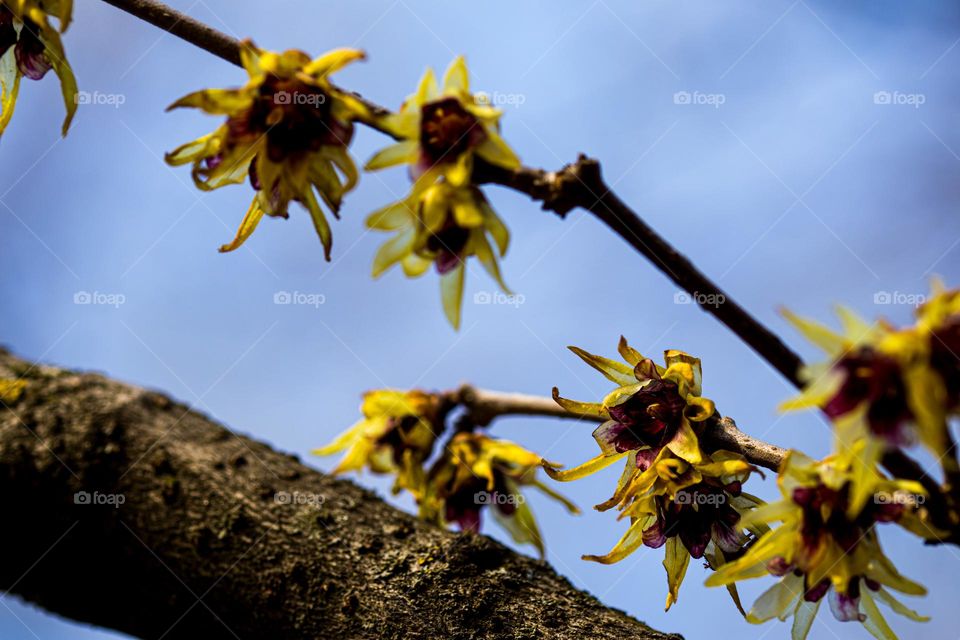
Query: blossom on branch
[395,436]
[287,131]
[446,218]
[820,549]
[442,225]
[29,47]
[675,494]
[475,472]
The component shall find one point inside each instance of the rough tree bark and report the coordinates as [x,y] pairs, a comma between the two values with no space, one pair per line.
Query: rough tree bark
[200,547]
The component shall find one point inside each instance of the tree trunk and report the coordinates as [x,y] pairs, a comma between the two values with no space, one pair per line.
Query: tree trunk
[127,510]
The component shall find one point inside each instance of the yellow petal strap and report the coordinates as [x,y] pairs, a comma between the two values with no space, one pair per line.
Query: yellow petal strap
[333,61]
[521,524]
[481,247]
[627,544]
[899,607]
[343,440]
[214,101]
[341,157]
[675,561]
[559,497]
[399,153]
[320,223]
[9,87]
[457,78]
[588,409]
[393,251]
[391,217]
[451,294]
[777,600]
[769,512]
[427,88]
[68,83]
[830,342]
[247,227]
[875,623]
[927,397]
[817,393]
[250,58]
[883,571]
[628,353]
[803,619]
[498,230]
[614,371]
[495,151]
[855,327]
[587,468]
[691,373]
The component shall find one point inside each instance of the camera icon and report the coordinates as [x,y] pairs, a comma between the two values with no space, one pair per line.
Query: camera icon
[282,497]
[882,297]
[482,497]
[681,97]
[81,497]
[482,297]
[882,97]
[282,297]
[82,297]
[82,97]
[282,97]
[681,297]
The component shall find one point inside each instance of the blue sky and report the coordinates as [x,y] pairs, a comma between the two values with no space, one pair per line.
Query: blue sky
[786,176]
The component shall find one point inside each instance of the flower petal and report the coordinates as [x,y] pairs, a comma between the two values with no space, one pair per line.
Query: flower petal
[614,371]
[332,61]
[675,562]
[451,293]
[776,600]
[393,251]
[587,409]
[628,543]
[587,468]
[830,342]
[457,78]
[320,223]
[247,227]
[404,152]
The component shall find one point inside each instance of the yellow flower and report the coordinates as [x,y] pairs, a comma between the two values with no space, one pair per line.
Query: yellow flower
[287,130]
[652,408]
[443,225]
[395,436]
[477,471]
[441,130]
[819,548]
[879,387]
[29,47]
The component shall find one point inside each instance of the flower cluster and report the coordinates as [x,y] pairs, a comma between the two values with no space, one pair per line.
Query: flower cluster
[822,548]
[476,471]
[445,219]
[287,132]
[29,47]
[674,493]
[884,387]
[397,435]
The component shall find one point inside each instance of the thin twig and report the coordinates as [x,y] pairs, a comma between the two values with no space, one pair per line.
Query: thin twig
[483,406]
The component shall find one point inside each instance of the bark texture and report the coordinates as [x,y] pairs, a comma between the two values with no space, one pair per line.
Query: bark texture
[202,548]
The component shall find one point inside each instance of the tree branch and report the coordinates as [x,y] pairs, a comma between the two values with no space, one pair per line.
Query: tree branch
[576,185]
[484,406]
[191,531]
